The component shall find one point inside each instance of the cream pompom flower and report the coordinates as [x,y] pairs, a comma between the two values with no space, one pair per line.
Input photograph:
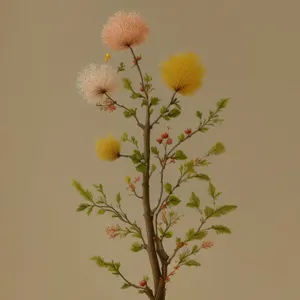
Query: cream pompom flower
[123,30]
[96,81]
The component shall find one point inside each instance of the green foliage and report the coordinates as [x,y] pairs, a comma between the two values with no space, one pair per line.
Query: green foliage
[154,101]
[222,103]
[154,150]
[199,114]
[118,198]
[121,67]
[168,234]
[141,168]
[174,113]
[212,190]
[221,229]
[195,235]
[86,194]
[223,210]
[135,95]
[83,206]
[181,137]
[179,155]
[113,267]
[137,156]
[163,109]
[147,78]
[208,211]
[168,188]
[217,149]
[192,263]
[173,200]
[136,247]
[101,211]
[125,137]
[127,84]
[125,286]
[202,176]
[194,201]
[129,113]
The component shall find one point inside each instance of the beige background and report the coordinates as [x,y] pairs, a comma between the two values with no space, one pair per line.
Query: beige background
[251,50]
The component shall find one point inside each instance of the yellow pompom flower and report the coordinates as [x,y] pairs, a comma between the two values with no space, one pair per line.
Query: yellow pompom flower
[108,148]
[183,73]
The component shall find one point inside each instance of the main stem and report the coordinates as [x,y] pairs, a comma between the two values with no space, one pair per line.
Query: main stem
[147,208]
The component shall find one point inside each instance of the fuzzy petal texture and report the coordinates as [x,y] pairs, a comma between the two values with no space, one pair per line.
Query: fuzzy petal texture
[183,73]
[108,148]
[95,81]
[124,30]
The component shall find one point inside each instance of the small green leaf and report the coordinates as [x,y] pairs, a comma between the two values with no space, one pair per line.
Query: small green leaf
[221,229]
[154,150]
[168,188]
[141,168]
[154,101]
[147,78]
[208,211]
[223,210]
[89,211]
[136,247]
[118,198]
[173,113]
[223,103]
[194,201]
[125,286]
[127,84]
[163,109]
[202,176]
[217,149]
[192,263]
[212,190]
[199,114]
[101,211]
[83,192]
[153,168]
[136,95]
[193,235]
[125,137]
[180,155]
[173,200]
[82,207]
[181,137]
[168,234]
[121,67]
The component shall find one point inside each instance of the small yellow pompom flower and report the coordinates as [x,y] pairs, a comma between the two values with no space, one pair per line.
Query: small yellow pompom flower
[107,57]
[108,148]
[183,73]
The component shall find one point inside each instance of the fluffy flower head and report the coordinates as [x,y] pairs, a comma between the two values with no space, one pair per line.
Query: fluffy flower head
[123,30]
[108,148]
[183,73]
[95,81]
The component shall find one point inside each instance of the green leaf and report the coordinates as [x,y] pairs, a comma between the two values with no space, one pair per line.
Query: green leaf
[179,154]
[141,168]
[190,167]
[208,211]
[173,200]
[163,109]
[125,137]
[217,149]
[223,103]
[193,235]
[181,137]
[153,168]
[89,211]
[83,192]
[223,210]
[100,261]
[212,190]
[147,78]
[168,188]
[136,247]
[221,229]
[127,84]
[173,113]
[136,157]
[121,67]
[154,150]
[192,263]
[154,101]
[168,234]
[125,286]
[82,207]
[101,211]
[118,198]
[194,201]
[202,176]
[136,96]
[199,114]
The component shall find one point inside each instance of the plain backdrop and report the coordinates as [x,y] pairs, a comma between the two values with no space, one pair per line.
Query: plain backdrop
[251,51]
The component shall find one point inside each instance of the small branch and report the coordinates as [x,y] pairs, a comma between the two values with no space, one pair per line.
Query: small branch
[127,109]
[161,115]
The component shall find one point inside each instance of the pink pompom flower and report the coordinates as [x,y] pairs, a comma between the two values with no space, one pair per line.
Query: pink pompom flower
[124,30]
[96,81]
